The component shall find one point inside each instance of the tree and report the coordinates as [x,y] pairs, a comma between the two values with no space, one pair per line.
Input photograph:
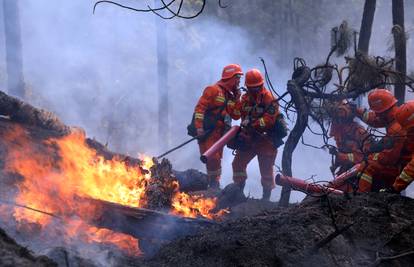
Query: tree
[162,71]
[14,62]
[398,32]
[366,26]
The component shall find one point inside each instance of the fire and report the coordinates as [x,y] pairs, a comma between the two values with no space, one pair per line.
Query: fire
[193,206]
[56,175]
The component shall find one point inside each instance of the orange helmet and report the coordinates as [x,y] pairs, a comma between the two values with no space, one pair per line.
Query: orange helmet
[381,100]
[254,78]
[231,70]
[405,115]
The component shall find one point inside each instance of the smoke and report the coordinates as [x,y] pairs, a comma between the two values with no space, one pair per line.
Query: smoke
[100,71]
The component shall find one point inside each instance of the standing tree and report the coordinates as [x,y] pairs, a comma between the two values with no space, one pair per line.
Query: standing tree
[15,81]
[398,32]
[162,71]
[366,26]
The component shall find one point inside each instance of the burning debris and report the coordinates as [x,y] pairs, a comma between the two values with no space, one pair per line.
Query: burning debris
[60,183]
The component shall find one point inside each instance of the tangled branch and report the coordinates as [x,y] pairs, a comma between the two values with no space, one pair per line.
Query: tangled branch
[165,7]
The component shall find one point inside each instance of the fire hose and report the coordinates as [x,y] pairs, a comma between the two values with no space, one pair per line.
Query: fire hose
[341,179]
[304,186]
[220,143]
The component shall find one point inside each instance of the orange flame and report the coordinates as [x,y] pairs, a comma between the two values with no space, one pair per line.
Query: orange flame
[193,206]
[65,168]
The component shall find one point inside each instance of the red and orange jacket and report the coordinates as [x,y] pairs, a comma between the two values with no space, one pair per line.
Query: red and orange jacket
[216,99]
[261,109]
[394,133]
[407,174]
[352,140]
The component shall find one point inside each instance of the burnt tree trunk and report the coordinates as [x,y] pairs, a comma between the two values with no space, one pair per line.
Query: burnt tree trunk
[162,75]
[366,26]
[398,32]
[299,101]
[14,62]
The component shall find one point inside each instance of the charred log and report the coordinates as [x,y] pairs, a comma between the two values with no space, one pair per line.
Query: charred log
[191,180]
[162,186]
[144,223]
[22,112]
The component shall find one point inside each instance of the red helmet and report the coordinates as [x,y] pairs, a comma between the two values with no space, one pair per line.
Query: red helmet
[405,115]
[254,78]
[381,100]
[231,70]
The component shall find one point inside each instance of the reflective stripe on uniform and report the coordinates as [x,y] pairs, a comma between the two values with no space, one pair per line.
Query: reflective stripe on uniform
[240,174]
[214,173]
[220,99]
[199,116]
[405,177]
[375,156]
[236,112]
[230,103]
[365,116]
[350,157]
[262,122]
[366,178]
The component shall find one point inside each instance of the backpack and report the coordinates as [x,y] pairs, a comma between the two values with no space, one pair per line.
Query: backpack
[279,131]
[209,122]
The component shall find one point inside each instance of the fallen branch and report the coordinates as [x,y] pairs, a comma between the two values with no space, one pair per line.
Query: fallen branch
[328,239]
[379,259]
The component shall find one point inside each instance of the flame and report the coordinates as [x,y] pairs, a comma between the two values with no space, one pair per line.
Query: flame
[57,173]
[194,205]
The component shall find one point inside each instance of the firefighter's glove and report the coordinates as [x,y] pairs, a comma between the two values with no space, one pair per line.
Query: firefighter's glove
[389,190]
[333,150]
[245,123]
[353,108]
[360,112]
[237,94]
[200,132]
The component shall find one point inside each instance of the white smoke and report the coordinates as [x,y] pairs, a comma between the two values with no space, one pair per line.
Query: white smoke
[100,72]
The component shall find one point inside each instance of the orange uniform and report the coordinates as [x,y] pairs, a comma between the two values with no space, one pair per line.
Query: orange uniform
[351,140]
[261,109]
[407,174]
[217,103]
[385,165]
[217,106]
[405,117]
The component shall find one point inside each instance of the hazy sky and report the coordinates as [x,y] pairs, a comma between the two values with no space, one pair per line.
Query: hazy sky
[100,72]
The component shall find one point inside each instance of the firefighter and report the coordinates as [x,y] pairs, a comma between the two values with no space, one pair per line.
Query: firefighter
[384,165]
[213,113]
[405,118]
[259,112]
[350,137]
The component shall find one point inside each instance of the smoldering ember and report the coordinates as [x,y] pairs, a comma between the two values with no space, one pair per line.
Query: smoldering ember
[206,133]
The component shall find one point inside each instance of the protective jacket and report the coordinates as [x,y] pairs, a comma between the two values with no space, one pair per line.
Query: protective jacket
[351,140]
[216,104]
[261,110]
[407,174]
[384,166]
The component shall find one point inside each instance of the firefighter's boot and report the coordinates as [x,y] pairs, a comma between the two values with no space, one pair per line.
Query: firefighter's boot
[242,185]
[266,194]
[214,184]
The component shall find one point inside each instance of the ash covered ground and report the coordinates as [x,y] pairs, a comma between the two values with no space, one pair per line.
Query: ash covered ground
[381,226]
